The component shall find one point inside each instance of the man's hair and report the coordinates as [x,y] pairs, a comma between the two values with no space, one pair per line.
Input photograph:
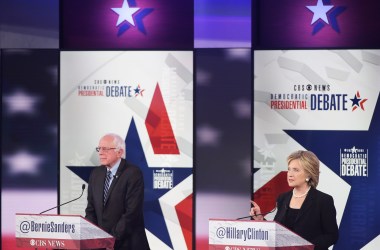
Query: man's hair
[118,141]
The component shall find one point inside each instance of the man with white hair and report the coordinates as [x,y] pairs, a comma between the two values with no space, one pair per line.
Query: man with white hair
[116,196]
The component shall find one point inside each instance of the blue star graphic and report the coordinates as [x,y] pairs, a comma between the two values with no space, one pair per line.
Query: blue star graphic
[355,101]
[154,218]
[358,102]
[138,17]
[332,17]
[137,90]
[326,145]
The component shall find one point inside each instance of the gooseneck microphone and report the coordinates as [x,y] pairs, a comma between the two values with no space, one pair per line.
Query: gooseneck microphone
[83,187]
[263,214]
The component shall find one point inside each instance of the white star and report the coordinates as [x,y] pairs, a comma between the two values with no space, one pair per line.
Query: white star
[354,150]
[79,160]
[203,77]
[238,54]
[23,162]
[208,136]
[125,13]
[242,108]
[20,102]
[320,11]
[267,152]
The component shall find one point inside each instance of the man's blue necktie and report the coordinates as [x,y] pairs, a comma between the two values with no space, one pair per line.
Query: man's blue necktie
[107,185]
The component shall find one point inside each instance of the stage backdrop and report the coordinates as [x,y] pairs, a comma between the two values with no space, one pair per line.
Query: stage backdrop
[325,101]
[146,97]
[29,121]
[222,23]
[316,24]
[126,24]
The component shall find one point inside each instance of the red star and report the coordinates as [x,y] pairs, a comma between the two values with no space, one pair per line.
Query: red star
[361,102]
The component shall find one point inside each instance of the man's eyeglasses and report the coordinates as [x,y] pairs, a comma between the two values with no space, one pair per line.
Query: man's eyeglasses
[103,149]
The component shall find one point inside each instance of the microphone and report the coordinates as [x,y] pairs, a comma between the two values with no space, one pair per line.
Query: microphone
[83,187]
[263,214]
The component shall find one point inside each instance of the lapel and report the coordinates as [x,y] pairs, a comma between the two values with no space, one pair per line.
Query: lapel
[99,189]
[307,203]
[120,170]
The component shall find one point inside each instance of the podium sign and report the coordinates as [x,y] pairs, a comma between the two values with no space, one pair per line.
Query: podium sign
[253,235]
[60,232]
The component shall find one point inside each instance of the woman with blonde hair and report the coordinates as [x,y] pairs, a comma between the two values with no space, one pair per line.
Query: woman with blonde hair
[305,210]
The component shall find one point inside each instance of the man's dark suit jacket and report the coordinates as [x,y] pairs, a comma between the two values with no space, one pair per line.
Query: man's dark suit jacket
[122,215]
[316,221]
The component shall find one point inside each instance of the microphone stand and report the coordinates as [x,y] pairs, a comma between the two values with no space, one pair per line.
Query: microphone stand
[245,217]
[83,187]
[262,214]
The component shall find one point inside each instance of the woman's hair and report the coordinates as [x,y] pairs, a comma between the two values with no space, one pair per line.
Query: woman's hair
[310,163]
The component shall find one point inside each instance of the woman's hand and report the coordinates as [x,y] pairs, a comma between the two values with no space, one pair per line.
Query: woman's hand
[256,212]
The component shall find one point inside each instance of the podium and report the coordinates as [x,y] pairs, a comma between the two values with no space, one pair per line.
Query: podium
[60,232]
[253,235]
